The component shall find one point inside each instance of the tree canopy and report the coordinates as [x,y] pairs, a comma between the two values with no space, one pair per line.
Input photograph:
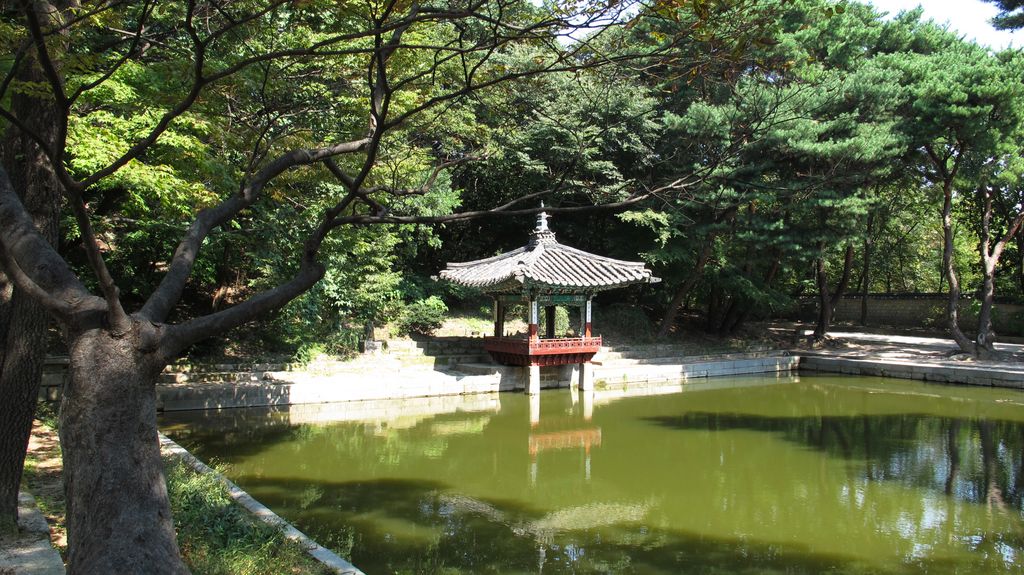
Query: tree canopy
[172,171]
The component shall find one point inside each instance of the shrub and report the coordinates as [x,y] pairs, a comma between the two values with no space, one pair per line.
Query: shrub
[422,316]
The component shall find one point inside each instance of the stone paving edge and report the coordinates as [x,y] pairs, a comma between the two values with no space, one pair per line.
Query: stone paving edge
[32,551]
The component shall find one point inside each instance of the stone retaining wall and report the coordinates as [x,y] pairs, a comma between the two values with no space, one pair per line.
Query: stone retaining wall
[964,375]
[917,310]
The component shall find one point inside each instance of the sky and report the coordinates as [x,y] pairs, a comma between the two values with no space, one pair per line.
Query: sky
[968,17]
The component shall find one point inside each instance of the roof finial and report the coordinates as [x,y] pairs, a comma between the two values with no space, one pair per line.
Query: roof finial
[542,219]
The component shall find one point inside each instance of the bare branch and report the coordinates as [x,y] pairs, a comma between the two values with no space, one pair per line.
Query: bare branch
[43,53]
[147,6]
[179,337]
[23,128]
[62,310]
[500,211]
[167,294]
[15,66]
[26,250]
[117,318]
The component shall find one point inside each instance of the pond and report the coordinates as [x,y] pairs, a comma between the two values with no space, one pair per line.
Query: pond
[807,474]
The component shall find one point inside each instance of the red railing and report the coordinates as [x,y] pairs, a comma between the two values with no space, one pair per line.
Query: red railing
[554,346]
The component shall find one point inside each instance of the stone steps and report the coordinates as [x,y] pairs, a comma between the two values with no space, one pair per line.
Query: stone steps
[693,369]
[213,376]
[618,360]
[661,352]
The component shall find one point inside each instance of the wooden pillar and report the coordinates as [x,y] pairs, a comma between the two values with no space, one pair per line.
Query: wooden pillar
[549,320]
[586,318]
[534,312]
[499,318]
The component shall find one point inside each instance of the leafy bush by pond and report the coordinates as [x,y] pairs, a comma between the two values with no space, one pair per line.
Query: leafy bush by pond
[423,316]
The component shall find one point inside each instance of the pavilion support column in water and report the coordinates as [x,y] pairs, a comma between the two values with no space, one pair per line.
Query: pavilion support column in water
[586,375]
[532,379]
[575,372]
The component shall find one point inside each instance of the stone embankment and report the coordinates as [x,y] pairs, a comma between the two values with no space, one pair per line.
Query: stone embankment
[459,366]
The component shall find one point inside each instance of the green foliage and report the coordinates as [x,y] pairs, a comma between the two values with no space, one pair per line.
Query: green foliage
[772,131]
[623,323]
[1011,14]
[561,320]
[422,317]
[218,537]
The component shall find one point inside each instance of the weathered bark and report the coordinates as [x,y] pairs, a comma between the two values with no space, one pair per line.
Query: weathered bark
[824,300]
[117,498]
[827,302]
[744,309]
[1020,260]
[865,276]
[687,286]
[953,303]
[23,321]
[985,342]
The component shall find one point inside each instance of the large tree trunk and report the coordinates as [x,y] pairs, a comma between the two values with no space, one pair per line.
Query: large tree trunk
[990,255]
[117,505]
[23,321]
[745,310]
[827,302]
[953,304]
[985,346]
[684,290]
[865,276]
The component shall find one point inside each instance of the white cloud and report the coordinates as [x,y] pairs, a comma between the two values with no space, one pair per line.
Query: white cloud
[970,18]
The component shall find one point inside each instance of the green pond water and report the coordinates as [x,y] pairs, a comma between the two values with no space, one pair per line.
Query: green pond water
[815,474]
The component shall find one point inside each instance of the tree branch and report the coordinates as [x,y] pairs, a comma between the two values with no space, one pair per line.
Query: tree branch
[116,316]
[147,6]
[167,294]
[179,337]
[45,62]
[61,309]
[501,211]
[22,243]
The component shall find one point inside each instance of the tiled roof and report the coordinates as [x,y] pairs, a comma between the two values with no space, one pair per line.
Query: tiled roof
[545,263]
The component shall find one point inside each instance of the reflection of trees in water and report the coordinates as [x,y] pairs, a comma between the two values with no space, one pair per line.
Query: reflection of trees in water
[981,460]
[978,461]
[456,534]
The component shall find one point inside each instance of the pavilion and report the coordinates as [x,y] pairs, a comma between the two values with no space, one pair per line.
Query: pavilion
[546,273]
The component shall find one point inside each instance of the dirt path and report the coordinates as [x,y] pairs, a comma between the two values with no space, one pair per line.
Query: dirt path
[44,481]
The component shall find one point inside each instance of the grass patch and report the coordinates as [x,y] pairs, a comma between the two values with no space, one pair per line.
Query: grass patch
[218,537]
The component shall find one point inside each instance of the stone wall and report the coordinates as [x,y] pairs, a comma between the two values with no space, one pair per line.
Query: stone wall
[918,310]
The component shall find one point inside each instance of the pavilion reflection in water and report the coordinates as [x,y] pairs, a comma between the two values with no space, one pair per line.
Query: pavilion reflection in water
[549,274]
